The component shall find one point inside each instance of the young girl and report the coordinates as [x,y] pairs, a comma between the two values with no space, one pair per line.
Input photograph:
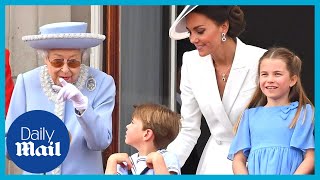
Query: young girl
[275,132]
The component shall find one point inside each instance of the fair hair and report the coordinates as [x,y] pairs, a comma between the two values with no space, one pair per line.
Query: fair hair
[43,54]
[293,64]
[164,123]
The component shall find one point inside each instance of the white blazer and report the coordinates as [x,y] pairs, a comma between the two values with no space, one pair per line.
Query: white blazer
[200,95]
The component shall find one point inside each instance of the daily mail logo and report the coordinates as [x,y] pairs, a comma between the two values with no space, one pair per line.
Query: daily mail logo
[37,141]
[27,148]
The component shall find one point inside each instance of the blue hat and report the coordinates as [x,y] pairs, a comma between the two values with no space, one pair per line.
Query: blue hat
[64,35]
[178,29]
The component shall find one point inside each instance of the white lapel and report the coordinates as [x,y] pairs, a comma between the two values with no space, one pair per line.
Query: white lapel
[207,89]
[211,92]
[236,78]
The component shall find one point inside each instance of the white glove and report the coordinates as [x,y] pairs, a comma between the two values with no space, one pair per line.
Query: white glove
[70,92]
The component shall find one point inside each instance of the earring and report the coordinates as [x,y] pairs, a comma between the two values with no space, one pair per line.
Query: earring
[223,37]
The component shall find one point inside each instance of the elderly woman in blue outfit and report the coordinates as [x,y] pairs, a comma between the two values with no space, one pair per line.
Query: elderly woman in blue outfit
[82,97]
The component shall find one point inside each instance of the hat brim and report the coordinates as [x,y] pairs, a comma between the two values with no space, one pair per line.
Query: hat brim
[64,41]
[178,29]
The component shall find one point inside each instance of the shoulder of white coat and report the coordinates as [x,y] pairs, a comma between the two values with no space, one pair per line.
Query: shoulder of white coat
[253,51]
[190,56]
[248,55]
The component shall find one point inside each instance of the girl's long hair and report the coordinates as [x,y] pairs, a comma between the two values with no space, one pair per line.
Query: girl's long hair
[296,93]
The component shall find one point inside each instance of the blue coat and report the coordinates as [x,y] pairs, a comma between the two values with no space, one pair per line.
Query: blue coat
[91,132]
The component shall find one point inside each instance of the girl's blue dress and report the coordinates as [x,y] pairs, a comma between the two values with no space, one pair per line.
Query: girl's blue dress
[270,146]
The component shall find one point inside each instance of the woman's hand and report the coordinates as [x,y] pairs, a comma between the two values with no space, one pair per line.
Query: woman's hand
[69,92]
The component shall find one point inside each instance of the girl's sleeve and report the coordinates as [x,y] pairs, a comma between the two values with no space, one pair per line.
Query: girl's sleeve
[303,134]
[241,141]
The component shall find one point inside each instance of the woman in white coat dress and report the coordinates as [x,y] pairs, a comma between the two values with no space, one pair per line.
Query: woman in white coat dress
[82,97]
[217,80]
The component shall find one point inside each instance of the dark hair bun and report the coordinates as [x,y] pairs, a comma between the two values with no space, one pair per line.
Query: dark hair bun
[237,22]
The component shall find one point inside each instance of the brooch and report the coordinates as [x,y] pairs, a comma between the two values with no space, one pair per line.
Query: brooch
[91,84]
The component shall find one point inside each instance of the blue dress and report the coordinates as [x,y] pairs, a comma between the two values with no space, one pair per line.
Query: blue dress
[270,146]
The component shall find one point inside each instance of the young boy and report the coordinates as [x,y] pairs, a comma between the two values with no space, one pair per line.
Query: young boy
[152,128]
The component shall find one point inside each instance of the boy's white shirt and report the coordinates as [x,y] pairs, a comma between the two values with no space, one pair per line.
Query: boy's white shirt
[139,164]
